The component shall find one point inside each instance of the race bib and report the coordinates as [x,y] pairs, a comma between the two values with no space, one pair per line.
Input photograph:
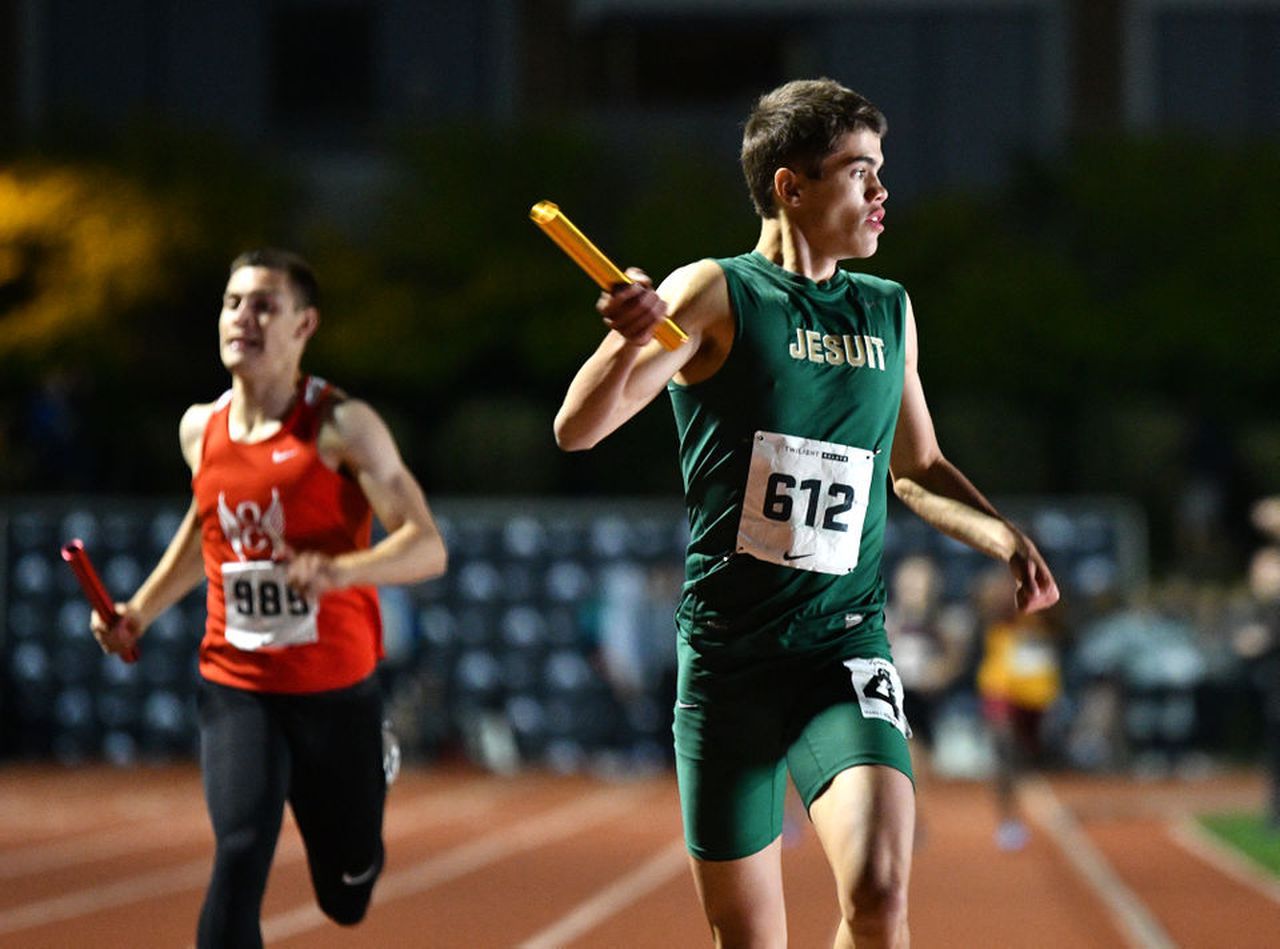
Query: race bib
[263,611]
[805,503]
[879,691]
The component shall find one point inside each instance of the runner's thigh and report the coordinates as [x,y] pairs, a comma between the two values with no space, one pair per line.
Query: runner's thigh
[729,760]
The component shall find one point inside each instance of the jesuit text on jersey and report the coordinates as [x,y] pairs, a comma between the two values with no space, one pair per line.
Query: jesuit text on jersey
[852,350]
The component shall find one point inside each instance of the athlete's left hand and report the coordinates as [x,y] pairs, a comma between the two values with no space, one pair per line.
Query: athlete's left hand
[312,573]
[1035,587]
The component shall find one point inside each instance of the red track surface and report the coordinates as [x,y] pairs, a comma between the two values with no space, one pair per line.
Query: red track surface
[111,858]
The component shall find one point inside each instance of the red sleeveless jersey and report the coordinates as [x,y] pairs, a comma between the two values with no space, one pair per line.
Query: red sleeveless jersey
[255,501]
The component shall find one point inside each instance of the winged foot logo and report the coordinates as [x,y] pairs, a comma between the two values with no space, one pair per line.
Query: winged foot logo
[252,532]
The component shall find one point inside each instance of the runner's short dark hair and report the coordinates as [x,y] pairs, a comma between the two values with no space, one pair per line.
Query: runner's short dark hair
[796,126]
[303,279]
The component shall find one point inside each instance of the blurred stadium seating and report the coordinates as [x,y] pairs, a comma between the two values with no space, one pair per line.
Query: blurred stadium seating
[549,641]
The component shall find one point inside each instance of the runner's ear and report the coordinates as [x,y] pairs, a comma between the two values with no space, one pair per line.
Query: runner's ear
[309,323]
[786,187]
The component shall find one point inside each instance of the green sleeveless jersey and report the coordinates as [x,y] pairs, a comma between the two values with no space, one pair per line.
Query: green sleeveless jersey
[785,455]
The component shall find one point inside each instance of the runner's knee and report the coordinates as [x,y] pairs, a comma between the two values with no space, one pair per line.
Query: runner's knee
[878,908]
[244,855]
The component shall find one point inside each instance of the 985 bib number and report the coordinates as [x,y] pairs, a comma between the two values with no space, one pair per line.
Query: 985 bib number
[267,598]
[262,610]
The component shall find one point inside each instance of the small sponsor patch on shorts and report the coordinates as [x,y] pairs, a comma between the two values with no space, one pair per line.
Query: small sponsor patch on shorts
[879,691]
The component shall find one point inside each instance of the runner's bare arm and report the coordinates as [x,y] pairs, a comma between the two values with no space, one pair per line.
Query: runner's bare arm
[629,369]
[179,571]
[180,568]
[357,439]
[983,532]
[939,493]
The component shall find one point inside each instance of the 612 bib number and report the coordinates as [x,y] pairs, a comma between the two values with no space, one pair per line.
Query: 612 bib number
[804,502]
[778,502]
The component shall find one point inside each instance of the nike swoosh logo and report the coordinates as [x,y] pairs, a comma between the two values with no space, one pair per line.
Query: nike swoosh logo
[790,556]
[278,456]
[359,878]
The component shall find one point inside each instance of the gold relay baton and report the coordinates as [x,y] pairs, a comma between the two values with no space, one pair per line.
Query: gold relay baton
[598,267]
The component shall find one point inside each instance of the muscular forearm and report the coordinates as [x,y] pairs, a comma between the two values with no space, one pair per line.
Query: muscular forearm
[939,494]
[940,477]
[597,400]
[179,571]
[985,531]
[409,554]
[964,515]
[628,370]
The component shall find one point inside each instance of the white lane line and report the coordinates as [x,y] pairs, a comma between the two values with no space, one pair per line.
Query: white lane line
[1192,837]
[530,834]
[423,811]
[101,845]
[1132,917]
[429,808]
[134,889]
[139,836]
[587,915]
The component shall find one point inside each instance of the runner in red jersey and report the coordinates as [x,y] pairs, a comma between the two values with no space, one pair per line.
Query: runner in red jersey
[248,496]
[287,475]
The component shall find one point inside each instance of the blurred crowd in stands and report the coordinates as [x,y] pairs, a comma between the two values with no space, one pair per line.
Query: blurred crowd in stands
[1172,679]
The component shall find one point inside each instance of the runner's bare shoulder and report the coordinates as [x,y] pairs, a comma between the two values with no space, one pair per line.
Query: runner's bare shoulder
[191,431]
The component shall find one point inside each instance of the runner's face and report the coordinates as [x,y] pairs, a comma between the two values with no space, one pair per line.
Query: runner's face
[843,209]
[262,327]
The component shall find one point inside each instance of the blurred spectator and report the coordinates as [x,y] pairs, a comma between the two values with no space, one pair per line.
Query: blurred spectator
[931,643]
[931,647]
[1258,642]
[1148,661]
[636,654]
[1265,515]
[1018,680]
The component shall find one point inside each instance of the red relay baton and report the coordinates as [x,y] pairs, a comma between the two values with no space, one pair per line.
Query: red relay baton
[94,589]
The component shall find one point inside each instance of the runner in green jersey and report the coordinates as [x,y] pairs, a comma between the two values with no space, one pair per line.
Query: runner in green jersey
[796,398]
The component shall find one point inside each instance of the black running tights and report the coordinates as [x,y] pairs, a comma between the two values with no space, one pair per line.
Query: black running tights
[322,752]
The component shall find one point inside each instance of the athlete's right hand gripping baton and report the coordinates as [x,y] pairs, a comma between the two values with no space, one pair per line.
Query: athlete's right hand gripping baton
[95,591]
[599,268]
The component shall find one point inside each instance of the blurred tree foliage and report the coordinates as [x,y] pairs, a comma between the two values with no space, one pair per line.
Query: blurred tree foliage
[1140,266]
[1079,327]
[76,248]
[113,251]
[1105,323]
[458,309]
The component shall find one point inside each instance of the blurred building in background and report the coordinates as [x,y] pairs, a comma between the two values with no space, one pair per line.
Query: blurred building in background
[969,85]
